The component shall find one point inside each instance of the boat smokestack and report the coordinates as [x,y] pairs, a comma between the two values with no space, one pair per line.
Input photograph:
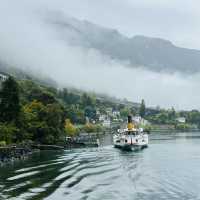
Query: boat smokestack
[130,125]
[129,119]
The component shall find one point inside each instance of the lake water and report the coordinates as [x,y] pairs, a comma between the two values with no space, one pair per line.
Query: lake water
[168,169]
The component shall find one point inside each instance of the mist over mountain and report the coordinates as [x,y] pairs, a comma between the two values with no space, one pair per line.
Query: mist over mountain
[152,53]
[41,38]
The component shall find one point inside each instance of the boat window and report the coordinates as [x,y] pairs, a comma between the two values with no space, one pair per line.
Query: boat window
[131,133]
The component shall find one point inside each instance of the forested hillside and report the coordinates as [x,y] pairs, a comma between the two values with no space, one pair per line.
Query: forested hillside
[36,112]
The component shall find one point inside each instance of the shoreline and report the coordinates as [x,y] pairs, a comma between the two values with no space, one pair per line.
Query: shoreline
[12,153]
[173,130]
[9,154]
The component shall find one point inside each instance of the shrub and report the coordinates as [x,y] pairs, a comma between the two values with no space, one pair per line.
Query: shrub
[2,143]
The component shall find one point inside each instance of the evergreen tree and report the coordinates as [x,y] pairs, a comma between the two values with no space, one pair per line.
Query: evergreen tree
[87,100]
[90,112]
[172,114]
[9,101]
[142,108]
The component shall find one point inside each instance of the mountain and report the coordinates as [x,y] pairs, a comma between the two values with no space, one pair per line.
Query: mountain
[25,74]
[153,53]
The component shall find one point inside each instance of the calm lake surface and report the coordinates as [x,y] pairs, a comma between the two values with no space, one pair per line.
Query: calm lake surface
[168,169]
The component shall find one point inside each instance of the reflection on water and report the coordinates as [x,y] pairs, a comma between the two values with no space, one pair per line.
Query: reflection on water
[168,169]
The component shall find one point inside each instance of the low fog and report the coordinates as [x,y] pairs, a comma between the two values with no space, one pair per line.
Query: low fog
[29,41]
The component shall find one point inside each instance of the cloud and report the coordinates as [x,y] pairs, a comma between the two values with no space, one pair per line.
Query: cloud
[176,20]
[27,41]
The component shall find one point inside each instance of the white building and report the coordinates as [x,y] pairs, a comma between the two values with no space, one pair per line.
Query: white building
[116,113]
[102,117]
[109,111]
[137,119]
[181,119]
[106,123]
[98,112]
[3,77]
[140,120]
[144,122]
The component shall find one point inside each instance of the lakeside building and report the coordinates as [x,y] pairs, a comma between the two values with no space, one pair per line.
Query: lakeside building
[102,117]
[106,123]
[105,120]
[109,111]
[98,112]
[140,120]
[181,119]
[137,119]
[3,77]
[116,113]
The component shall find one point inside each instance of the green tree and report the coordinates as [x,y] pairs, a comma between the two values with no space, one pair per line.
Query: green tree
[193,117]
[75,114]
[45,123]
[8,133]
[9,101]
[89,128]
[31,91]
[90,112]
[92,128]
[69,97]
[87,100]
[172,114]
[142,110]
[70,129]
[33,124]
[124,112]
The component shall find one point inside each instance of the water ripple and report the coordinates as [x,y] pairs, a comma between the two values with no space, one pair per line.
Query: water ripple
[168,169]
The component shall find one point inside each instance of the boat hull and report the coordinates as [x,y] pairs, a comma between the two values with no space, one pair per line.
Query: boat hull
[130,142]
[131,147]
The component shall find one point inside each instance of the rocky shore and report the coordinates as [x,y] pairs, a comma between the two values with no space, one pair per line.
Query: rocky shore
[8,154]
[12,153]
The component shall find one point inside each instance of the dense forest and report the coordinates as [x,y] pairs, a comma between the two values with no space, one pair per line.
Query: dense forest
[31,111]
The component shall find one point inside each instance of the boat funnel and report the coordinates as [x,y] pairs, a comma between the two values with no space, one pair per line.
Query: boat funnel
[130,125]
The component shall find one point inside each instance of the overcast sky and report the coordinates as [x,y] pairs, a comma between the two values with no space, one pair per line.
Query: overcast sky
[26,41]
[176,20]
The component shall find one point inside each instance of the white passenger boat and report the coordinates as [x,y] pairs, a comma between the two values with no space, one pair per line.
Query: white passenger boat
[130,138]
